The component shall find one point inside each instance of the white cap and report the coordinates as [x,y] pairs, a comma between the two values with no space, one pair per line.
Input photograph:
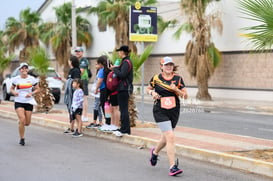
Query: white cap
[23,64]
[166,60]
[78,49]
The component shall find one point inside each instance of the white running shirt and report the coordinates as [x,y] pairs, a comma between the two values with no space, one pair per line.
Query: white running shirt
[23,86]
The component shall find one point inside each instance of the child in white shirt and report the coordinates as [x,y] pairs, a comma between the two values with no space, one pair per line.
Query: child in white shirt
[77,105]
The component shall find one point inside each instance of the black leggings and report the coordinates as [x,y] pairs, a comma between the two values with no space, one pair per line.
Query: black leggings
[103,99]
[123,98]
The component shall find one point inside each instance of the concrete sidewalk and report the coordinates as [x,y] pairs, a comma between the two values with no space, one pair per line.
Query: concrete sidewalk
[194,143]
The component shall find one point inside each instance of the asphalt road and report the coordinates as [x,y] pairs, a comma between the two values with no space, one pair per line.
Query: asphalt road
[51,155]
[220,120]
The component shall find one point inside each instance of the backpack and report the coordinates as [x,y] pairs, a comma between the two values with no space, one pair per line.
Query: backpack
[89,73]
[112,80]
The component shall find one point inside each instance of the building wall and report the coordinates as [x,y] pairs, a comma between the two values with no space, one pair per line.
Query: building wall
[237,70]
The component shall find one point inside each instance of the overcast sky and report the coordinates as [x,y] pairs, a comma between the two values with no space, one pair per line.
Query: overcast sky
[12,8]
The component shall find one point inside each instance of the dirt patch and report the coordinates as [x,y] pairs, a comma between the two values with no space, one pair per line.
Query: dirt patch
[5,103]
[264,155]
[144,124]
[54,111]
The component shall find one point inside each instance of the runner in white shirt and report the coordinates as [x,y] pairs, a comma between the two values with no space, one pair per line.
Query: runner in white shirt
[23,87]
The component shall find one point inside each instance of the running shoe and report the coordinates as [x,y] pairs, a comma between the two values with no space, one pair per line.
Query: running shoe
[69,131]
[77,135]
[154,157]
[112,128]
[118,133]
[91,125]
[97,125]
[22,142]
[104,128]
[175,170]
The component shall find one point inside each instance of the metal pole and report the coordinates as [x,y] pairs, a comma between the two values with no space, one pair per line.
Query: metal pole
[142,82]
[73,24]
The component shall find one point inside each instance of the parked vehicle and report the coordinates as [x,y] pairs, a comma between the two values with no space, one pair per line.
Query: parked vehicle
[53,79]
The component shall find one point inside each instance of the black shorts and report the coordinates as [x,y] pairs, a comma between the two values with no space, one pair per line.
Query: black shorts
[114,100]
[77,112]
[26,106]
[161,115]
[85,87]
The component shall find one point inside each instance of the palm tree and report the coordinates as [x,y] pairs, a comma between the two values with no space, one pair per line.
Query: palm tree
[4,62]
[39,60]
[23,31]
[261,35]
[58,34]
[137,61]
[2,39]
[4,57]
[201,56]
[115,14]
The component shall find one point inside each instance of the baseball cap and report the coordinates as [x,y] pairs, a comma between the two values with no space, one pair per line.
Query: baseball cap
[166,60]
[23,64]
[78,49]
[123,48]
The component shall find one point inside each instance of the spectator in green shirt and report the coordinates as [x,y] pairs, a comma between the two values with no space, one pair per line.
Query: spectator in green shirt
[85,76]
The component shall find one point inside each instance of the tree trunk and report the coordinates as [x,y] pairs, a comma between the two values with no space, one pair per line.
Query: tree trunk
[203,93]
[132,110]
[66,69]
[1,78]
[44,98]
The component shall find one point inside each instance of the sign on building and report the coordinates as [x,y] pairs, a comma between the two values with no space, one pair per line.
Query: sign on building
[143,23]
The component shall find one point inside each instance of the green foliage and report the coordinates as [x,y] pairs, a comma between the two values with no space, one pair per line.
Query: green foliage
[138,60]
[58,34]
[261,35]
[4,60]
[23,31]
[162,25]
[39,59]
[184,27]
[214,54]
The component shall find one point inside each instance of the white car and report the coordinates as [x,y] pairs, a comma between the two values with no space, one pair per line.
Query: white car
[53,79]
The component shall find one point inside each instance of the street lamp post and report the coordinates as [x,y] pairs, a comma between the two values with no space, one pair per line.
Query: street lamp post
[73,24]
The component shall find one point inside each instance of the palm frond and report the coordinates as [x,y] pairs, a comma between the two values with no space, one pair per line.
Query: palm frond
[23,31]
[143,57]
[5,59]
[261,35]
[138,60]
[162,25]
[39,59]
[184,27]
[214,55]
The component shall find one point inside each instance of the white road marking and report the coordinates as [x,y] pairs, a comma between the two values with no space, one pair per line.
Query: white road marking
[264,129]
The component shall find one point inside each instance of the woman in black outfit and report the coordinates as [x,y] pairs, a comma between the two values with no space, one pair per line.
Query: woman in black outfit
[73,73]
[125,73]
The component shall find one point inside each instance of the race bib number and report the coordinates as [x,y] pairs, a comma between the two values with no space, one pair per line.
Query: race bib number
[168,102]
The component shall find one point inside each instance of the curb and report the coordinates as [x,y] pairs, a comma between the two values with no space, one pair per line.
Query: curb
[228,160]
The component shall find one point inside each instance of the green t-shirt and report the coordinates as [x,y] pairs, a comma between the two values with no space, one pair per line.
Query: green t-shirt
[84,65]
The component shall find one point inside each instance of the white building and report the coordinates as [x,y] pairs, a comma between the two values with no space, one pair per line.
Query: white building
[169,9]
